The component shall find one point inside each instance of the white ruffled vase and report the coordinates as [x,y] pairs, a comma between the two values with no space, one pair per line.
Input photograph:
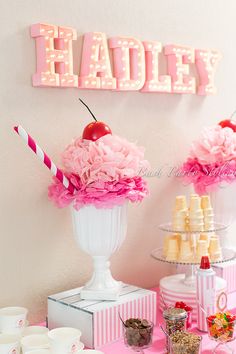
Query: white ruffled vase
[100,232]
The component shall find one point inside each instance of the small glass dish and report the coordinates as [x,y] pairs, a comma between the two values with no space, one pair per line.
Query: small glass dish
[188,309]
[138,338]
[185,342]
[221,332]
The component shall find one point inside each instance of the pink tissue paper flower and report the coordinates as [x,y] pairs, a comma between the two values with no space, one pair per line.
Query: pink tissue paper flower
[105,173]
[216,145]
[212,160]
[100,194]
[109,158]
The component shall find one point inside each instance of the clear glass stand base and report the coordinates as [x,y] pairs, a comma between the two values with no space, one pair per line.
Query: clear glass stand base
[136,350]
[223,348]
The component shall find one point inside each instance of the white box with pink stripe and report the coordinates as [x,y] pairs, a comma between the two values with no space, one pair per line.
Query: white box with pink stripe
[99,320]
[227,271]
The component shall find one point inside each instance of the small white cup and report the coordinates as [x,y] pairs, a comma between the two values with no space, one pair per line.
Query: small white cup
[65,340]
[34,330]
[9,344]
[12,319]
[34,341]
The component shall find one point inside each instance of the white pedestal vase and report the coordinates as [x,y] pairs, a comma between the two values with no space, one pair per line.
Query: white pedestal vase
[224,206]
[100,232]
[224,203]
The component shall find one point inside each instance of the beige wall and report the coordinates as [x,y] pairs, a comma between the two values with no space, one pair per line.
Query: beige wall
[38,254]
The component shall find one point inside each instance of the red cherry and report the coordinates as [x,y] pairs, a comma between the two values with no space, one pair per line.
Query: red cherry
[95,130]
[180,305]
[227,123]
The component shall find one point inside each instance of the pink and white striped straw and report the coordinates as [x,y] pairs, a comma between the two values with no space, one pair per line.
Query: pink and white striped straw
[44,157]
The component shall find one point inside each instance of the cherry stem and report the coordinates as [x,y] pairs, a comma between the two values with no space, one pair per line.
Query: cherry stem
[88,110]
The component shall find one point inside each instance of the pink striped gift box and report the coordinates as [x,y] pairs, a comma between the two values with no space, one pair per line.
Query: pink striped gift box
[227,271]
[99,321]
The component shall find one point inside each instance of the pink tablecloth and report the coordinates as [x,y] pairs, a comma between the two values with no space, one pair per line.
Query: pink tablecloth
[159,338]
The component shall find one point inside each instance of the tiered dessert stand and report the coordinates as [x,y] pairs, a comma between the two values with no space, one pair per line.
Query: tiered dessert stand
[182,287]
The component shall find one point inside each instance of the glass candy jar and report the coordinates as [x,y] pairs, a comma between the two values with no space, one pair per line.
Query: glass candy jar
[184,342]
[138,334]
[175,320]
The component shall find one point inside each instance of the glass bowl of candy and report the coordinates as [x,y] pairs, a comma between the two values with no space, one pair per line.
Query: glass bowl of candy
[185,342]
[221,329]
[138,334]
[188,309]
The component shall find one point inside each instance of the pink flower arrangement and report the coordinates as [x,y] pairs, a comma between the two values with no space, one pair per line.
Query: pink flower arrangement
[105,172]
[212,160]
[216,145]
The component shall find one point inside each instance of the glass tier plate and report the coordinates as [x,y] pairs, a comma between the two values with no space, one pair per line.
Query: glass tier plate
[167,227]
[227,255]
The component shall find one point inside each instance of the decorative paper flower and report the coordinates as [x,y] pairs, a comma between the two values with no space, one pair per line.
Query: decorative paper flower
[212,160]
[59,194]
[100,194]
[109,158]
[216,145]
[105,173]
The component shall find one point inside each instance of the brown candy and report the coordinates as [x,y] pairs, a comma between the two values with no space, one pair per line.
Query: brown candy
[184,342]
[137,332]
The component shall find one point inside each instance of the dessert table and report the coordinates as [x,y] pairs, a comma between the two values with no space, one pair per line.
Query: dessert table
[158,346]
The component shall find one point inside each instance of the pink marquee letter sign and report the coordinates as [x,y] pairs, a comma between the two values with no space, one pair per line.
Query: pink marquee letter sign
[54,56]
[129,65]
[178,58]
[95,71]
[154,82]
[121,63]
[206,63]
